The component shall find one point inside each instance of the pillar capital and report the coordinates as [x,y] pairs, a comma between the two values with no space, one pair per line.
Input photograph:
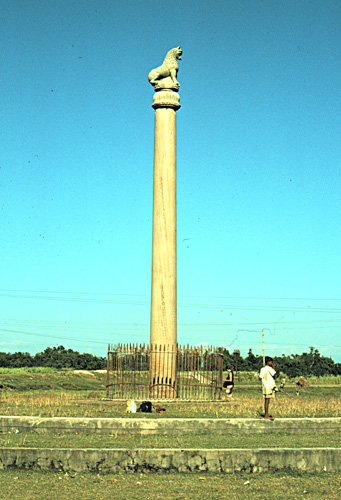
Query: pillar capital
[166,99]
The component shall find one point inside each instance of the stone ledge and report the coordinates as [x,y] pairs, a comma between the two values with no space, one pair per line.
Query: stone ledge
[161,425]
[311,460]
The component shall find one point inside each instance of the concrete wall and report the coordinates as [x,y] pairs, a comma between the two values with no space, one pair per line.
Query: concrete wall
[160,425]
[225,461]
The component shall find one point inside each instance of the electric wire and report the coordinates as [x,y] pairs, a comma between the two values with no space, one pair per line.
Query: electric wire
[139,330]
[249,307]
[74,339]
[187,296]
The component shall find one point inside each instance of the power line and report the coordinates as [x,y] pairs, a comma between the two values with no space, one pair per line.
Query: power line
[307,309]
[115,334]
[110,325]
[75,293]
[259,298]
[54,337]
[75,299]
[185,296]
[263,308]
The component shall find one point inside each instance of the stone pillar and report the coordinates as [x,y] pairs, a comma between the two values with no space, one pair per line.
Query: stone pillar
[163,330]
[163,327]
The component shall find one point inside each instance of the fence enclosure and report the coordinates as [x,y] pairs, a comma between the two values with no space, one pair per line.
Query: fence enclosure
[164,372]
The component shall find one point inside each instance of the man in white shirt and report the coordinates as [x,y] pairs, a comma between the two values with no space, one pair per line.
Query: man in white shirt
[268,384]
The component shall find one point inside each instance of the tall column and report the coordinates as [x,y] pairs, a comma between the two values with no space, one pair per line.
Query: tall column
[163,328]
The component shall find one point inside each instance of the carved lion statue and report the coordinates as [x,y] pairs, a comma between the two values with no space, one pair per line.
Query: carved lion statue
[168,68]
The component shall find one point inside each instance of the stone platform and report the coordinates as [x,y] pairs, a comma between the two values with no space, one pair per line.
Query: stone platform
[153,424]
[181,460]
[313,460]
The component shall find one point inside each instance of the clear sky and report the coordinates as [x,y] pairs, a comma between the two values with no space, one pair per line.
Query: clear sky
[258,172]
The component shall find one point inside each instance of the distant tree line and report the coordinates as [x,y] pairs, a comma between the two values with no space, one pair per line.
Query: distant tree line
[54,357]
[293,365]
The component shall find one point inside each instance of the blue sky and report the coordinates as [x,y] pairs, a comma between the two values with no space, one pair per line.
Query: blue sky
[258,172]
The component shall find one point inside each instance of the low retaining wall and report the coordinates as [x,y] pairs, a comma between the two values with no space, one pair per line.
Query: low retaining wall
[161,425]
[120,460]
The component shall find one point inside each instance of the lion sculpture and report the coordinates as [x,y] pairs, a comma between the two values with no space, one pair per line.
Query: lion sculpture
[169,68]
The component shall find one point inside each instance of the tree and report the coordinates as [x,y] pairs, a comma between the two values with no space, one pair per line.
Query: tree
[252,362]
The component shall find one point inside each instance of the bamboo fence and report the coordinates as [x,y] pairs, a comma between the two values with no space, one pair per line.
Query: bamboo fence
[164,372]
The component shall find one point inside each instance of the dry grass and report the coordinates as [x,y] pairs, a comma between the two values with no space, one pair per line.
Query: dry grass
[80,395]
[248,403]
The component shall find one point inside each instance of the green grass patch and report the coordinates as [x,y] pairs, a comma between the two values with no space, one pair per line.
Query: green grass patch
[51,380]
[31,485]
[247,378]
[196,441]
[44,378]
[31,369]
[325,380]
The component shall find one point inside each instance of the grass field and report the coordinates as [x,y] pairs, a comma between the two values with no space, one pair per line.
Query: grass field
[167,486]
[64,393]
[194,441]
[69,394]
[248,403]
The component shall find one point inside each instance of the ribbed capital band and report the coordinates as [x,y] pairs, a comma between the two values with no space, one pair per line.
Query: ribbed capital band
[166,99]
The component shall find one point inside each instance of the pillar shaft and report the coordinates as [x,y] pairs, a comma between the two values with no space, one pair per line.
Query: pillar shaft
[163,304]
[163,330]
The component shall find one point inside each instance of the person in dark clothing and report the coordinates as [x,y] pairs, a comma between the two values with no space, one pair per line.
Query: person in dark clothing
[229,383]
